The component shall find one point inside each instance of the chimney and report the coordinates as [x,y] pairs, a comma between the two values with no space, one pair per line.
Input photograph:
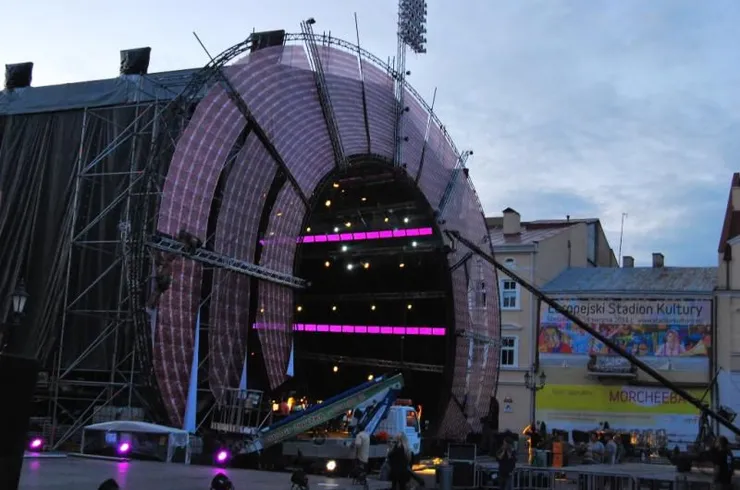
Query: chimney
[512,222]
[18,75]
[628,262]
[135,61]
[658,260]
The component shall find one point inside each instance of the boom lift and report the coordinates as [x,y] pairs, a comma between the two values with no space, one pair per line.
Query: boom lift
[381,392]
[705,410]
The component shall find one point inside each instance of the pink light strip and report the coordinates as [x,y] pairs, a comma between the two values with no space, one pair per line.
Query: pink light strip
[425,331]
[364,235]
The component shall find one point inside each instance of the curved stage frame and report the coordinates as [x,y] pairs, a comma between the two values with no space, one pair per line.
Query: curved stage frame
[259,126]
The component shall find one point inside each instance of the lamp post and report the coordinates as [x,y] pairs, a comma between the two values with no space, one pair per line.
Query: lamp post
[18,299]
[534,382]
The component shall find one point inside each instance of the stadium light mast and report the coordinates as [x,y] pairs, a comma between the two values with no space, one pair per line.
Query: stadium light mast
[412,19]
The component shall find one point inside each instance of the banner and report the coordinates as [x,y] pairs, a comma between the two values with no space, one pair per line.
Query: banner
[629,409]
[660,328]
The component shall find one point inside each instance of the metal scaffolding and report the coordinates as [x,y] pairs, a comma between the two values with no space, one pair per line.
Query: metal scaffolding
[78,394]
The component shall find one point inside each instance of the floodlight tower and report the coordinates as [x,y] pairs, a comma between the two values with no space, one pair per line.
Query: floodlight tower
[412,19]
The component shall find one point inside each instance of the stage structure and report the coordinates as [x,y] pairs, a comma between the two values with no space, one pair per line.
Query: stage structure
[181,211]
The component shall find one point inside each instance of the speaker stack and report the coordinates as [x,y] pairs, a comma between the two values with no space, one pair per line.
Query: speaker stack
[462,459]
[18,377]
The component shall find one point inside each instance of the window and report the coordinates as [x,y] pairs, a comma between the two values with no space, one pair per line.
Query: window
[510,263]
[509,295]
[509,351]
[592,250]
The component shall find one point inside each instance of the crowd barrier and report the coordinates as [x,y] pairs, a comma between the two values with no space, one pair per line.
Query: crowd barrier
[530,478]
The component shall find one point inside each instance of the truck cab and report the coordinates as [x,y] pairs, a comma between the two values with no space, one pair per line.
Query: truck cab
[402,418]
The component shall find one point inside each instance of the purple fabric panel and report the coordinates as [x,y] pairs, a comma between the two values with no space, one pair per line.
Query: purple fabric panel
[275,317]
[435,173]
[236,236]
[463,214]
[381,110]
[282,96]
[276,302]
[342,74]
[188,191]
[196,164]
[414,128]
[278,252]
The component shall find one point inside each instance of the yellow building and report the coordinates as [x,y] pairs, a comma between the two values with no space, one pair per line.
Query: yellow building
[538,251]
[662,314]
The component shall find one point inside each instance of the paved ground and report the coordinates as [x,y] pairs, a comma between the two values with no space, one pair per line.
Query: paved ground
[84,474]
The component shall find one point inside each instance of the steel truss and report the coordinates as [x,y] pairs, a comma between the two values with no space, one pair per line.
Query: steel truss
[221,261]
[364,361]
[78,393]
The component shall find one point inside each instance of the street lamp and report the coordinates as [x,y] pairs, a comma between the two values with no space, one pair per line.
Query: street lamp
[18,299]
[534,383]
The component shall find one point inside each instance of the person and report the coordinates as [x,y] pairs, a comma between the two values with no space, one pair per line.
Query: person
[109,484]
[672,345]
[610,450]
[399,461]
[506,458]
[722,462]
[594,450]
[362,450]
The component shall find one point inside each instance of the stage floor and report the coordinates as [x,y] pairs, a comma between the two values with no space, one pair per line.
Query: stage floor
[68,473]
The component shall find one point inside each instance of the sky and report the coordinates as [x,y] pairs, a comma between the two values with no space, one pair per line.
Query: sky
[587,108]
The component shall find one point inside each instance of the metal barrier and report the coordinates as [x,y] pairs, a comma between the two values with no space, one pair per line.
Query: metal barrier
[530,478]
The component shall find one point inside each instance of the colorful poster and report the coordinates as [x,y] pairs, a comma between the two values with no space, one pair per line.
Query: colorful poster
[627,409]
[658,328]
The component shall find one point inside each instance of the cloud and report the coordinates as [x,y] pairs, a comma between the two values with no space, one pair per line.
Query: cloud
[598,109]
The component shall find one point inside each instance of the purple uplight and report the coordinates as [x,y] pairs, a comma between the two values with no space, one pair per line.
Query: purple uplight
[222,456]
[36,444]
[364,235]
[124,448]
[425,331]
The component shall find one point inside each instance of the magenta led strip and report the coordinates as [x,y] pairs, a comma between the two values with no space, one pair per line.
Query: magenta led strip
[363,235]
[361,329]
[366,235]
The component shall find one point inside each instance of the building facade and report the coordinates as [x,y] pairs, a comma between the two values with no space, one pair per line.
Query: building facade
[537,251]
[663,315]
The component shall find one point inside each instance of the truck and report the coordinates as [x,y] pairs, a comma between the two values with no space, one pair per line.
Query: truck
[373,406]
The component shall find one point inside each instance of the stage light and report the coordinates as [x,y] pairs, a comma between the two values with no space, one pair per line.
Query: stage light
[335,369]
[36,444]
[327,264]
[366,265]
[344,248]
[350,267]
[308,229]
[421,331]
[413,244]
[401,265]
[336,229]
[299,308]
[348,224]
[336,185]
[372,308]
[405,220]
[124,448]
[364,235]
[333,308]
[327,203]
[363,199]
[221,482]
[279,214]
[409,306]
[331,465]
[262,310]
[386,219]
[370,377]
[222,456]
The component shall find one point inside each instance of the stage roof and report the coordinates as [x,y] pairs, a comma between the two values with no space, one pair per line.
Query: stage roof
[125,89]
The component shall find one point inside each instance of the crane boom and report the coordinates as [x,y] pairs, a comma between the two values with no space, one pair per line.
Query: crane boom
[703,408]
